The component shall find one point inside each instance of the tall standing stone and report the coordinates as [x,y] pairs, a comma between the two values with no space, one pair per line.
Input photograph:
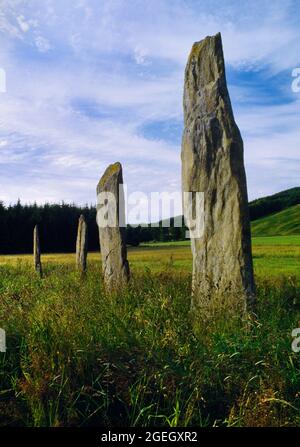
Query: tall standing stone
[111,223]
[213,163]
[37,251]
[81,244]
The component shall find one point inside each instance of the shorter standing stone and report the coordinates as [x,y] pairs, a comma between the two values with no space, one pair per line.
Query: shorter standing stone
[37,251]
[81,245]
[111,223]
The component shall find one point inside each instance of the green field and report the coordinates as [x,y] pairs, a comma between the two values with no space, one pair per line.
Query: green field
[77,356]
[273,256]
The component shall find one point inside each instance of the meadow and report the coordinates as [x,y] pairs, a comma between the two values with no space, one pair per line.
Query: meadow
[78,357]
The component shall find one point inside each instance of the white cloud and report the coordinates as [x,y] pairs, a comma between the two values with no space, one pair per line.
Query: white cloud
[3,143]
[141,56]
[23,24]
[42,44]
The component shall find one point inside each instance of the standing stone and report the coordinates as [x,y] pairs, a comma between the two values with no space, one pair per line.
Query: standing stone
[37,251]
[111,223]
[213,163]
[81,245]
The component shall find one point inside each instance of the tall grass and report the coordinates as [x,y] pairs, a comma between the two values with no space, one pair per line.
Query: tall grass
[78,357]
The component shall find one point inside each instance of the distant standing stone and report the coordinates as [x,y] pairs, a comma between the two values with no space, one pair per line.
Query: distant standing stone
[81,245]
[111,223]
[212,163]
[37,251]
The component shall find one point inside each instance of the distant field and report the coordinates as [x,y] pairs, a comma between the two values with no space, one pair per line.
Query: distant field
[276,240]
[261,240]
[273,256]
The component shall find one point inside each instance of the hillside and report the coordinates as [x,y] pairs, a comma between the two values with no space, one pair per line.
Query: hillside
[275,215]
[272,204]
[284,223]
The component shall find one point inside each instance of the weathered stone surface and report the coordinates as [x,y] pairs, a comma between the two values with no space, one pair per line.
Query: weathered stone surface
[212,163]
[110,205]
[81,245]
[37,251]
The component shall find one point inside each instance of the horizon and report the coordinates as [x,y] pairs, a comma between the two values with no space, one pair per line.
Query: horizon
[94,205]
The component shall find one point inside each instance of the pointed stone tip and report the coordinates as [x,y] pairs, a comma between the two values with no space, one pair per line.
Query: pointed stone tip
[206,61]
[213,42]
[215,38]
[113,169]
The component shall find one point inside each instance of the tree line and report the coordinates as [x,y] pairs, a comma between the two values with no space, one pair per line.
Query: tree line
[58,224]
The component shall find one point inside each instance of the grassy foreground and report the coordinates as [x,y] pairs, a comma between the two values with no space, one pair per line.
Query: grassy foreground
[76,356]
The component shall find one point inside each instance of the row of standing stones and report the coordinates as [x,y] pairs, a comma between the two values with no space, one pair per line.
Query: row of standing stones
[81,247]
[212,163]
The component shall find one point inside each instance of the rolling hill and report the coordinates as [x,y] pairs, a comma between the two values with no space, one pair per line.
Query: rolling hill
[284,223]
[275,215]
[273,204]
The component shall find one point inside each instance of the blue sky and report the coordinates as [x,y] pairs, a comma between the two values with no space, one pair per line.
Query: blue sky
[92,82]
